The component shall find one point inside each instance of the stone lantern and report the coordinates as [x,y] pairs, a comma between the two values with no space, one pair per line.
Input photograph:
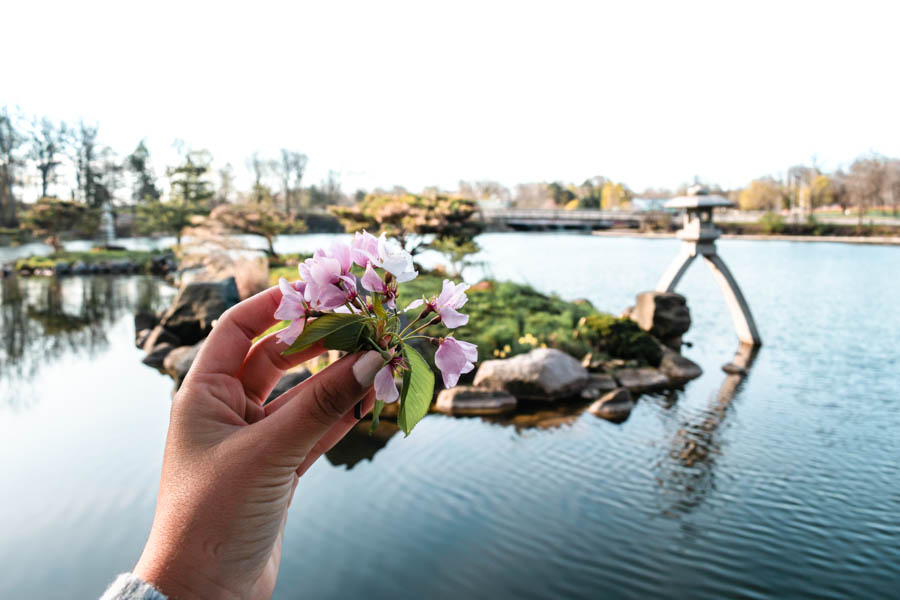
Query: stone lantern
[698,235]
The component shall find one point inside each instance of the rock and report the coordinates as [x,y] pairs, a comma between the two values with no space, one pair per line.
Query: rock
[482,286]
[195,308]
[179,361]
[287,381]
[642,379]
[542,374]
[597,385]
[663,314]
[679,369]
[462,400]
[734,369]
[140,337]
[614,406]
[163,264]
[390,411]
[62,268]
[160,335]
[157,357]
[122,266]
[672,343]
[145,320]
[80,268]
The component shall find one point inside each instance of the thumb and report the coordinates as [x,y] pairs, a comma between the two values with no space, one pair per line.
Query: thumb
[297,419]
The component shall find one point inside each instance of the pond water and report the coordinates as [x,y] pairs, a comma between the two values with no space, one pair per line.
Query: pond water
[785,484]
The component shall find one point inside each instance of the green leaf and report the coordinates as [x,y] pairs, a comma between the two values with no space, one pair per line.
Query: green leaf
[379,308]
[342,330]
[418,389]
[347,338]
[376,412]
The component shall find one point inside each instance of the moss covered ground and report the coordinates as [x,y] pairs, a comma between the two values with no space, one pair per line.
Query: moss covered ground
[50,261]
[506,319]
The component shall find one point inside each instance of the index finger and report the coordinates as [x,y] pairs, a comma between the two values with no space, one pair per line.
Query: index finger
[230,340]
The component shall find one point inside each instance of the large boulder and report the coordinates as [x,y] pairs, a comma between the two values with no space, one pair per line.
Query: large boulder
[463,400]
[663,314]
[196,306]
[597,385]
[179,361]
[158,335]
[287,381]
[642,379]
[157,356]
[679,369]
[163,264]
[543,374]
[614,406]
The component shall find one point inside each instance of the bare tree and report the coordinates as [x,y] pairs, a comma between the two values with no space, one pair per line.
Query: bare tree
[225,191]
[47,143]
[866,183]
[291,169]
[892,184]
[258,167]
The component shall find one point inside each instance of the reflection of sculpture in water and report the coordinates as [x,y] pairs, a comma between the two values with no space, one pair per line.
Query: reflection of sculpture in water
[687,471]
[358,445]
[45,319]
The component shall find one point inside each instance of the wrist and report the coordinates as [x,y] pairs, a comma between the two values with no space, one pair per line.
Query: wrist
[177,579]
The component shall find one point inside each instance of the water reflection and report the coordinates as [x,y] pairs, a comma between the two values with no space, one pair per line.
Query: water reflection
[686,473]
[46,319]
[359,444]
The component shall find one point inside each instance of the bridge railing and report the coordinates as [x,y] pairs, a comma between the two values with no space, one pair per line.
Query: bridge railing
[544,214]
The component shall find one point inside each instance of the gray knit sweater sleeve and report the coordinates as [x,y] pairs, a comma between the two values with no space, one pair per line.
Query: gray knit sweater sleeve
[130,587]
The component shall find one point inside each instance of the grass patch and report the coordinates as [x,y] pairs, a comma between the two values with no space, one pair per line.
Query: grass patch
[140,257]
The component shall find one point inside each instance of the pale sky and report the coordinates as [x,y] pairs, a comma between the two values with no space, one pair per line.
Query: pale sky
[417,94]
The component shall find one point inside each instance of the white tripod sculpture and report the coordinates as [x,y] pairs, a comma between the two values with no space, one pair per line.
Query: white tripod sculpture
[699,237]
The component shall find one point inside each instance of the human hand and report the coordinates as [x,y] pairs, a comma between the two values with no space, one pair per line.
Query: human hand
[231,464]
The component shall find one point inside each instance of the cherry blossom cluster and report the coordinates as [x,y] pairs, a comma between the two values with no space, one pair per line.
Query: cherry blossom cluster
[328,285]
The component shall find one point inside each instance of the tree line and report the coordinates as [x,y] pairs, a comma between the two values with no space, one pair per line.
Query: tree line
[870,183]
[68,163]
[79,178]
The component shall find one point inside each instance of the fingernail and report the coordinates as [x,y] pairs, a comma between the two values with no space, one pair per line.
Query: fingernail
[366,367]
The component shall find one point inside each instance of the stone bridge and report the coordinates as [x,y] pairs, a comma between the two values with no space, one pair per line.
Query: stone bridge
[530,219]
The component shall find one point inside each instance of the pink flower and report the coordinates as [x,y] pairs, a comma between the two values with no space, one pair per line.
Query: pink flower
[291,332]
[452,297]
[385,388]
[291,308]
[329,283]
[364,248]
[453,358]
[395,260]
[372,282]
[292,305]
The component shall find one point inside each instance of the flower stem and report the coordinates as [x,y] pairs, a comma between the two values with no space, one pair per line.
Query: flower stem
[422,314]
[433,321]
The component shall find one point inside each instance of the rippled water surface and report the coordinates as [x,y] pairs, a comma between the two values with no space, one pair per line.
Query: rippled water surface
[785,484]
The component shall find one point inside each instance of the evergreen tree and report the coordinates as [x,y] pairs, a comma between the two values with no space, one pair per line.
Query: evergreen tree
[190,195]
[138,163]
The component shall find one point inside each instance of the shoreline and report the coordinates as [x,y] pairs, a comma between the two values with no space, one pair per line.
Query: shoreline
[835,239]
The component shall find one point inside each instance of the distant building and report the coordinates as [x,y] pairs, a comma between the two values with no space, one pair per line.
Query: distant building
[648,203]
[494,202]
